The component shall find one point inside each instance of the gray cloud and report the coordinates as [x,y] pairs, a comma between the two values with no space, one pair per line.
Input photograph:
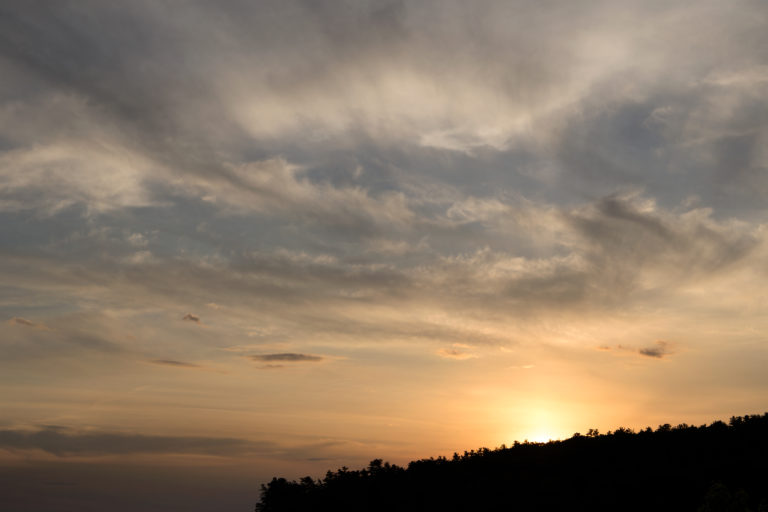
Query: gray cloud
[192,318]
[367,89]
[80,335]
[659,350]
[287,357]
[617,252]
[628,239]
[65,442]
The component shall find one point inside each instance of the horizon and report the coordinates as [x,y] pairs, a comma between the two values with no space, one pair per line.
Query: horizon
[269,238]
[708,468]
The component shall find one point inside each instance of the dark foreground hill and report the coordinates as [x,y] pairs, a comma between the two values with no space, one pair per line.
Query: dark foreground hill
[714,468]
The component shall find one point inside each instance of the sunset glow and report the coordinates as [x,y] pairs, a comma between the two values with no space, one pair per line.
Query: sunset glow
[248,239]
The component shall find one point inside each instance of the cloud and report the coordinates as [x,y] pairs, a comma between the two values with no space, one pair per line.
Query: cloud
[76,335]
[380,91]
[286,357]
[65,442]
[404,173]
[455,353]
[171,362]
[54,177]
[137,240]
[659,350]
[21,321]
[139,258]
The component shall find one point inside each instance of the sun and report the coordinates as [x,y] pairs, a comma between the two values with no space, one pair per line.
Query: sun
[541,425]
[542,436]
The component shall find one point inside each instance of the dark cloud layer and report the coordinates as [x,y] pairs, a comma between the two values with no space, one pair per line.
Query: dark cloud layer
[63,442]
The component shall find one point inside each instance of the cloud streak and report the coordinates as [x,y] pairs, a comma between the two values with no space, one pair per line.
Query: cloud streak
[172,362]
[65,442]
[17,320]
[289,357]
[452,353]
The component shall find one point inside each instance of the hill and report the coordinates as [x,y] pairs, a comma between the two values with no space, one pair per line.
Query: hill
[710,468]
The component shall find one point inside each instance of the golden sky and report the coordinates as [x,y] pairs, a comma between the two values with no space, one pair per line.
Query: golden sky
[246,239]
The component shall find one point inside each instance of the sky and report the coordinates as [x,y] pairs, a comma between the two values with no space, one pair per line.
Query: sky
[250,239]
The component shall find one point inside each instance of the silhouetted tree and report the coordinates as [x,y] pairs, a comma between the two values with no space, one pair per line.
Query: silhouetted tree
[669,469]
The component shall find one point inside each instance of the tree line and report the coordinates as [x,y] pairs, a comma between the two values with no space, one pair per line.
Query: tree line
[720,467]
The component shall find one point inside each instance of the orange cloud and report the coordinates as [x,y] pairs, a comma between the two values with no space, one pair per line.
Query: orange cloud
[452,353]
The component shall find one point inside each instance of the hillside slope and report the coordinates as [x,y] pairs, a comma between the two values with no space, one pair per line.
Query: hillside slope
[719,467]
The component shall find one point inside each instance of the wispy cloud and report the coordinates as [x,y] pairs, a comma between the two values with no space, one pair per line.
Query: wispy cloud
[286,357]
[172,362]
[271,366]
[78,334]
[456,353]
[65,442]
[16,320]
[658,350]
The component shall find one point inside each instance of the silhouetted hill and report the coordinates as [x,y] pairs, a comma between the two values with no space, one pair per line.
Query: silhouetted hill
[711,468]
